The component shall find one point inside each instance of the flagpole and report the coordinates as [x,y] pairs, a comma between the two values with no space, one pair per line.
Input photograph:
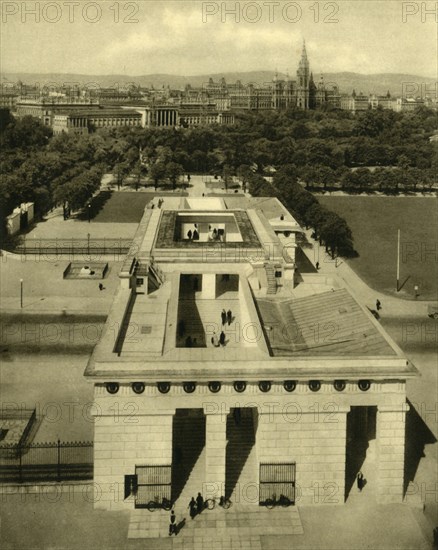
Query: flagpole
[398,259]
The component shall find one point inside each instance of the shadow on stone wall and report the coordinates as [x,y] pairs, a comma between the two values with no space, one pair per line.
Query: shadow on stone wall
[418,435]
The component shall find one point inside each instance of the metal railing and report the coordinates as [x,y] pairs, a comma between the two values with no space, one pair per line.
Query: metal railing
[41,462]
[154,483]
[277,479]
[74,247]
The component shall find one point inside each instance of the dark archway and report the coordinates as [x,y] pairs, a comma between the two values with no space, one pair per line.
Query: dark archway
[188,440]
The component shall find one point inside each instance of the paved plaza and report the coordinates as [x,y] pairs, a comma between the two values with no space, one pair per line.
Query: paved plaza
[68,515]
[358,524]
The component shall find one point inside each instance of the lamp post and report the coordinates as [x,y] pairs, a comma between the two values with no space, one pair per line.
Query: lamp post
[21,293]
[89,213]
[88,239]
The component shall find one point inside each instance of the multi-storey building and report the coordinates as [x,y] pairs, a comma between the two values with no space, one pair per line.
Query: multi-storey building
[223,370]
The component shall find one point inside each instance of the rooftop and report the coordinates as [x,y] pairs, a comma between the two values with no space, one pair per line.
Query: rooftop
[307,326]
[330,323]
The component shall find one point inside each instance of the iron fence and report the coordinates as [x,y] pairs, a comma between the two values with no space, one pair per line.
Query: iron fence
[153,484]
[74,247]
[277,479]
[56,461]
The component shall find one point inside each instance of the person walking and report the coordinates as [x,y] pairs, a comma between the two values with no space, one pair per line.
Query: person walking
[224,317]
[378,305]
[193,508]
[222,338]
[229,317]
[215,340]
[189,234]
[172,524]
[199,503]
[317,266]
[360,481]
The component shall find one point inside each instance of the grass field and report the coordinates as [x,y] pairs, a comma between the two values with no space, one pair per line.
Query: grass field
[110,206]
[374,222]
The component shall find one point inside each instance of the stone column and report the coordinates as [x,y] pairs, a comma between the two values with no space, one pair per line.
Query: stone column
[215,447]
[391,420]
[208,286]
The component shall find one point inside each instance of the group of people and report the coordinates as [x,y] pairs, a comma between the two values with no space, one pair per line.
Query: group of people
[196,506]
[193,235]
[216,235]
[226,317]
[189,342]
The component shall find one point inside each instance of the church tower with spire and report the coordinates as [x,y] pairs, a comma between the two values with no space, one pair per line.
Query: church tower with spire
[303,80]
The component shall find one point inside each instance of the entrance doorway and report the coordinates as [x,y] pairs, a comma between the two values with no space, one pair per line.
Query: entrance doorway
[188,441]
[240,456]
[361,443]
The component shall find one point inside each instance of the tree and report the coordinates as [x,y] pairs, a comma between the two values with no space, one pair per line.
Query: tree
[157,172]
[226,176]
[121,170]
[138,171]
[173,172]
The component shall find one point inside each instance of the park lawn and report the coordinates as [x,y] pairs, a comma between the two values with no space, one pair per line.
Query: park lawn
[120,207]
[374,222]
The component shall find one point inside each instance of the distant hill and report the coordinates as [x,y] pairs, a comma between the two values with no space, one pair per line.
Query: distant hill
[372,83]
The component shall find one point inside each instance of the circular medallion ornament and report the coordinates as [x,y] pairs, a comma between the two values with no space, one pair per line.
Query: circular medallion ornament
[189,387]
[138,387]
[239,386]
[264,386]
[289,385]
[314,385]
[214,387]
[339,385]
[163,387]
[112,387]
[364,385]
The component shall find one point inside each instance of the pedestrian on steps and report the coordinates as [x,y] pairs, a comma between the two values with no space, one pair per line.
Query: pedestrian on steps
[199,503]
[172,524]
[224,317]
[193,508]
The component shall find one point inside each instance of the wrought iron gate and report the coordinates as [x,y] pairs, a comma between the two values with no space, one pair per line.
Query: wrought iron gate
[153,483]
[277,479]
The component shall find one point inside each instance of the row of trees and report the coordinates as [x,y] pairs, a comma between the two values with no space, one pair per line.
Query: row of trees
[328,227]
[331,139]
[322,146]
[36,167]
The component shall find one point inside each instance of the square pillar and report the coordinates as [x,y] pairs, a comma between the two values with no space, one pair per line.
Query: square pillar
[208,286]
[390,428]
[215,449]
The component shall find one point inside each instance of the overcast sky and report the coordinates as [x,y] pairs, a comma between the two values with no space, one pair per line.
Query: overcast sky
[189,38]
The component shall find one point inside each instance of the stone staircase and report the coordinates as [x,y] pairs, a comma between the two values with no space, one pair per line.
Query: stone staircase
[272,282]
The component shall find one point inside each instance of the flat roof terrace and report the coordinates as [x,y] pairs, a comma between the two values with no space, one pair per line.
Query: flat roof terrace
[337,340]
[170,232]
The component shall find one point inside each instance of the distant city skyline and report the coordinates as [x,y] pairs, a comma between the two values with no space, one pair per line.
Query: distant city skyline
[189,38]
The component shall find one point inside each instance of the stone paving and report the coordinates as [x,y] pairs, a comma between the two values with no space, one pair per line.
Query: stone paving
[392,306]
[237,527]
